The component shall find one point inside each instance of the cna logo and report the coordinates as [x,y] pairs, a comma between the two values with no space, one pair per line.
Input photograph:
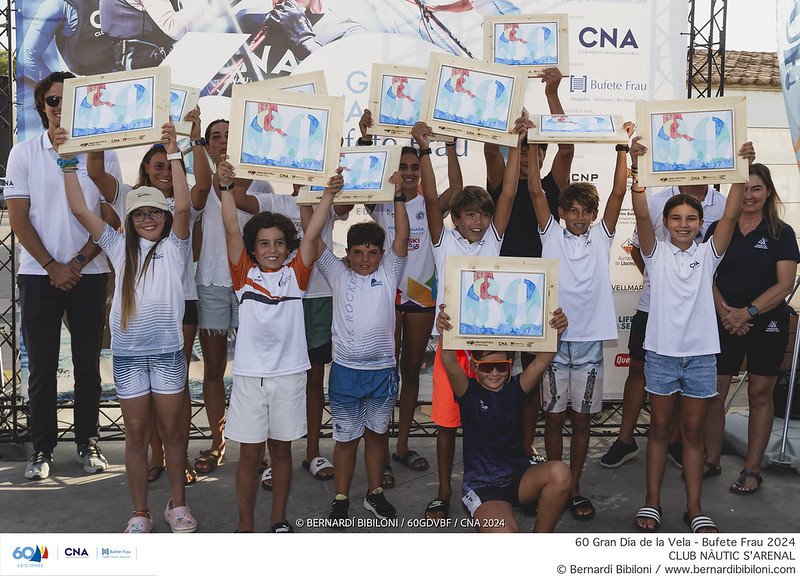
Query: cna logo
[622,360]
[31,553]
[591,37]
[420,215]
[75,553]
[627,246]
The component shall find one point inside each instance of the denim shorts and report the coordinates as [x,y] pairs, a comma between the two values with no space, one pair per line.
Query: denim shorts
[692,376]
[217,309]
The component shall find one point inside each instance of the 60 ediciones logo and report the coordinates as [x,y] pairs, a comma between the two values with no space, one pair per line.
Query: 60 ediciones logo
[32,555]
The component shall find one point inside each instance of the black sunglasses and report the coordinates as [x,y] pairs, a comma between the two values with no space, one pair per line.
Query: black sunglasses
[53,101]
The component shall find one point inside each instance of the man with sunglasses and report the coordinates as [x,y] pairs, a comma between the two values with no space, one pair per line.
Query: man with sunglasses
[498,474]
[58,273]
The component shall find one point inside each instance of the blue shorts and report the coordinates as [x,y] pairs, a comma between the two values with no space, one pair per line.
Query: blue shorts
[359,399]
[137,376]
[217,309]
[692,376]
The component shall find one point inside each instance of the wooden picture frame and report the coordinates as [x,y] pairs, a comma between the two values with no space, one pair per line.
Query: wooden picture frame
[692,141]
[395,99]
[306,152]
[531,41]
[589,128]
[500,303]
[115,110]
[473,99]
[366,176]
[305,83]
[182,100]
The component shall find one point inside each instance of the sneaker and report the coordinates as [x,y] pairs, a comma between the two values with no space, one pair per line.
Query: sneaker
[38,467]
[675,453]
[180,519]
[139,524]
[619,453]
[376,503]
[339,512]
[91,458]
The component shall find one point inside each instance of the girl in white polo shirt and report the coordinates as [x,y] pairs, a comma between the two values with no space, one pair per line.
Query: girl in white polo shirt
[682,339]
[146,325]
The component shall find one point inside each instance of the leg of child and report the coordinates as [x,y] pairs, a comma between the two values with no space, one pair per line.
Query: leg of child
[156,460]
[168,408]
[578,447]
[633,398]
[280,454]
[375,447]
[714,428]
[496,516]
[344,462]
[445,454]
[214,344]
[315,403]
[416,328]
[693,416]
[136,415]
[549,482]
[662,410]
[553,434]
[247,484]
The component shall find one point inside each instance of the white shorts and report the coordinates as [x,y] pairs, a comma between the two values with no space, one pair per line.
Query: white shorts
[576,374]
[268,407]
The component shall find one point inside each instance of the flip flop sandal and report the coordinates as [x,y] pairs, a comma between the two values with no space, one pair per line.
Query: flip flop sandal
[267,477]
[438,505]
[581,503]
[281,528]
[317,465]
[155,473]
[712,470]
[738,486]
[208,461]
[409,459]
[190,477]
[699,522]
[388,478]
[650,513]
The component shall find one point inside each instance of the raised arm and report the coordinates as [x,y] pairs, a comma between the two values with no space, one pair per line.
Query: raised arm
[312,235]
[421,132]
[364,123]
[233,236]
[538,198]
[105,182]
[77,202]
[202,169]
[502,211]
[562,163]
[495,165]
[180,187]
[532,375]
[454,177]
[458,379]
[644,226]
[402,229]
[614,203]
[724,231]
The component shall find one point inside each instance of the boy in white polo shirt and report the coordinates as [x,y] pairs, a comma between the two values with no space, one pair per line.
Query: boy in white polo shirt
[681,340]
[362,386]
[576,374]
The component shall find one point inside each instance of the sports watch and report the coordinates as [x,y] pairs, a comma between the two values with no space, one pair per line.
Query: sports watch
[752,310]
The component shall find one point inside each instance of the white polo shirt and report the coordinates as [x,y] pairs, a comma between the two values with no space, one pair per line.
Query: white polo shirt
[286,204]
[452,242]
[713,208]
[682,320]
[584,282]
[33,174]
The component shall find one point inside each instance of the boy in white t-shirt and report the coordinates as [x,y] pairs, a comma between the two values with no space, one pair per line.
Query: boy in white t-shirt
[362,386]
[682,338]
[583,252]
[479,228]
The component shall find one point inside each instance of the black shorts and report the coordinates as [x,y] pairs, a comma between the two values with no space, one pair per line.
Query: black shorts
[636,337]
[321,354]
[190,313]
[414,309]
[508,493]
[764,345]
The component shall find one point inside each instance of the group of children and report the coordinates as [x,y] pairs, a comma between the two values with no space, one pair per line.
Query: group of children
[270,268]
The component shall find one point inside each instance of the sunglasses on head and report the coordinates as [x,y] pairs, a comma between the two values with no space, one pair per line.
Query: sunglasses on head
[53,101]
[486,366]
[155,214]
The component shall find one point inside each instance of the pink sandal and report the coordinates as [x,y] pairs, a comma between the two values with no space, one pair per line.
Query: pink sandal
[139,524]
[180,519]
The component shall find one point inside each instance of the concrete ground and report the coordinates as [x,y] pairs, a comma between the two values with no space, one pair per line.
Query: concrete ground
[71,501]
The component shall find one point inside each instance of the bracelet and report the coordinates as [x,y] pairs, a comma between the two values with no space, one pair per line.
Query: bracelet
[361,142]
[642,191]
[175,156]
[49,262]
[424,152]
[226,188]
[66,163]
[71,170]
[400,197]
[200,142]
[623,148]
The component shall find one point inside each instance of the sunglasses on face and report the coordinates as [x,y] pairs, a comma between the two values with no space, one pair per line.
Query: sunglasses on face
[486,366]
[155,214]
[53,101]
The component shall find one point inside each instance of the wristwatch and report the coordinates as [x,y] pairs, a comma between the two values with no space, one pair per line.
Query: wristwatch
[81,259]
[752,310]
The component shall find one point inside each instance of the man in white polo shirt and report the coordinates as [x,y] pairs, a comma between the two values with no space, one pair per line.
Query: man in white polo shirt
[58,273]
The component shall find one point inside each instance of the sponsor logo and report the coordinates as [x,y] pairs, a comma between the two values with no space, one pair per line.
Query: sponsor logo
[577,83]
[30,556]
[591,37]
[772,326]
[694,264]
[75,553]
[117,553]
[420,215]
[622,360]
[627,246]
[413,244]
[373,283]
[762,244]
[484,407]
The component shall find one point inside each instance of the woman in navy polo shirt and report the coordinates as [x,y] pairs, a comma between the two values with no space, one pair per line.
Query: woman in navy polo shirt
[752,282]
